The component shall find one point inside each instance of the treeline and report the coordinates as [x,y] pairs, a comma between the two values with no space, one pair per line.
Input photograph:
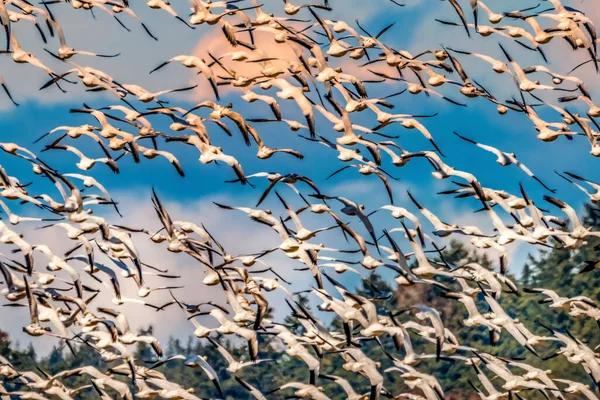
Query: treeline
[555,268]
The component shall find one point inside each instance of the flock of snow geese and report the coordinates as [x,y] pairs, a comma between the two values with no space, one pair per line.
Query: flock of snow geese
[58,290]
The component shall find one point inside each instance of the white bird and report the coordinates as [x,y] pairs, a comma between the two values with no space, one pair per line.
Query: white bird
[516,329]
[64,52]
[578,230]
[506,234]
[490,389]
[22,57]
[89,181]
[557,302]
[228,327]
[15,219]
[290,92]
[443,229]
[189,61]
[210,153]
[295,347]
[593,110]
[497,66]
[505,159]
[524,83]
[85,163]
[146,96]
[195,361]
[233,365]
[357,361]
[170,390]
[303,390]
[126,336]
[577,388]
[353,209]
[165,6]
[257,394]
[344,384]
[10,237]
[593,196]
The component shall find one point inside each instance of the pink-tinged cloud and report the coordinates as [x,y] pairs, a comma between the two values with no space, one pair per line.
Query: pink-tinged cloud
[217,45]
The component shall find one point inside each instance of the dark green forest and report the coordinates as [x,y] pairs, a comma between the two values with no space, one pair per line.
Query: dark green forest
[556,268]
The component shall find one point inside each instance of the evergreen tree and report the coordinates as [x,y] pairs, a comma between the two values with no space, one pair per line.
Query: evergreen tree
[557,269]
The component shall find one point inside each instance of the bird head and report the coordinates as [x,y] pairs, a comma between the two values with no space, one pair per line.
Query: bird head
[441,55]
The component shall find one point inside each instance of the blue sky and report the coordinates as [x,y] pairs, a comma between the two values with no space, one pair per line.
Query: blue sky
[414,30]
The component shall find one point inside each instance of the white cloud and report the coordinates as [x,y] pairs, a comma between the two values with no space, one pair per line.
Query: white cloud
[233,229]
